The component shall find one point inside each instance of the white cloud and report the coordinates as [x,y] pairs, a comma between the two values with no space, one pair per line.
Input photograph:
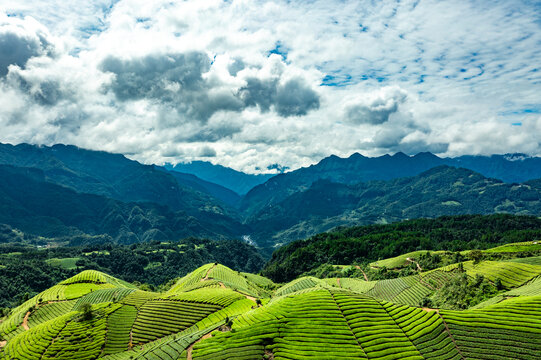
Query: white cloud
[280,82]
[376,107]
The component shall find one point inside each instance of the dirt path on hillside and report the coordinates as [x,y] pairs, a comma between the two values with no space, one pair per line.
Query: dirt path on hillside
[247,296]
[208,272]
[3,343]
[416,263]
[190,348]
[359,268]
[25,321]
[425,283]
[430,309]
[338,281]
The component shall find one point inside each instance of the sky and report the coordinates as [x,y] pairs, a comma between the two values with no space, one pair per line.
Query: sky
[263,85]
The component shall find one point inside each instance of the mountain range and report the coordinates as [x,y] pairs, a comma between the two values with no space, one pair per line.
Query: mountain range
[63,191]
[358,168]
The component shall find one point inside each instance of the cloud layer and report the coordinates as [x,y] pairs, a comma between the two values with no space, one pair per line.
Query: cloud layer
[267,85]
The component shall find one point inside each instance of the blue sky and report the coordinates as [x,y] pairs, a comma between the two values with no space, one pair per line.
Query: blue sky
[248,84]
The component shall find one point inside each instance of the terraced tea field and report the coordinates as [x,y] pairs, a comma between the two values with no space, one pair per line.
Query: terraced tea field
[217,313]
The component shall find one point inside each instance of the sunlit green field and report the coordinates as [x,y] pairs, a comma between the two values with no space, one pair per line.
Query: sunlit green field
[215,312]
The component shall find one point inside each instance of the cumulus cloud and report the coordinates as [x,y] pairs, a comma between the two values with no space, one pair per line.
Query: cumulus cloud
[292,98]
[249,85]
[180,80]
[20,40]
[176,79]
[375,108]
[295,98]
[235,66]
[207,152]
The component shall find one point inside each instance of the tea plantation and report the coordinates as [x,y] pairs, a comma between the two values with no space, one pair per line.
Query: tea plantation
[217,313]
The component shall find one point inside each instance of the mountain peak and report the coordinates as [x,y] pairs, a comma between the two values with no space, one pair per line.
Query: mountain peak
[357,156]
[426,155]
[400,155]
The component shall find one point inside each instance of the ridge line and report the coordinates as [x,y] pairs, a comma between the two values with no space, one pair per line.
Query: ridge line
[347,322]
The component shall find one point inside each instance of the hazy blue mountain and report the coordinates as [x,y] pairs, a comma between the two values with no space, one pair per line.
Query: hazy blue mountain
[222,193]
[134,202]
[358,168]
[439,191]
[32,204]
[354,169]
[237,181]
[508,168]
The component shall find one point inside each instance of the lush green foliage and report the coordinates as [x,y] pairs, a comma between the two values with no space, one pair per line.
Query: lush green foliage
[96,316]
[374,242]
[437,192]
[358,168]
[77,196]
[30,203]
[29,270]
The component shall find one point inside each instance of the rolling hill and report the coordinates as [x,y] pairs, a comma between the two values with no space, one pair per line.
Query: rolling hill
[215,312]
[397,241]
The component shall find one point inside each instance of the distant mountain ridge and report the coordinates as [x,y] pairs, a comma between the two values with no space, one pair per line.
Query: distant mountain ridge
[220,192]
[357,168]
[200,207]
[111,175]
[336,191]
[436,192]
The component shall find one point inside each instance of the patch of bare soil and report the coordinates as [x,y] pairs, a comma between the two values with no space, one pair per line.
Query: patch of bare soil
[208,272]
[190,348]
[365,277]
[25,321]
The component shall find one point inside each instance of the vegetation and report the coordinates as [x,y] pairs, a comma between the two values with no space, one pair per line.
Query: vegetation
[29,202]
[358,168]
[26,269]
[442,191]
[68,195]
[366,244]
[215,312]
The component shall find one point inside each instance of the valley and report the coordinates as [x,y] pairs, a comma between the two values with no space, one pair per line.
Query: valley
[270,180]
[107,197]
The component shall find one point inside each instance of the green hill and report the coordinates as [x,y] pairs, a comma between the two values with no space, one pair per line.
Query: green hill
[218,313]
[26,271]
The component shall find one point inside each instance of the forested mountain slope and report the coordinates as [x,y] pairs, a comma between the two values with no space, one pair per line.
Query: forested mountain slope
[440,191]
[362,244]
[111,175]
[357,168]
[31,204]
